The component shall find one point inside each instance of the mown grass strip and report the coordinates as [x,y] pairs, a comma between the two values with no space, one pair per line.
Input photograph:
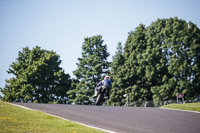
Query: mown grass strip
[16,120]
[186,106]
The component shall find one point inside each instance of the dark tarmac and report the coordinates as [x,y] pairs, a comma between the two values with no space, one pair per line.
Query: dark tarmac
[125,119]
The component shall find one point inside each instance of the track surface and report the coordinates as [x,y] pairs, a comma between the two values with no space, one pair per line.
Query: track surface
[125,119]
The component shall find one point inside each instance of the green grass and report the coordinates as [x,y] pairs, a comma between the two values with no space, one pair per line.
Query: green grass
[186,106]
[16,120]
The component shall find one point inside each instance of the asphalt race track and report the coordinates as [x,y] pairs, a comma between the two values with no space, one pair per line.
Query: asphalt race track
[125,119]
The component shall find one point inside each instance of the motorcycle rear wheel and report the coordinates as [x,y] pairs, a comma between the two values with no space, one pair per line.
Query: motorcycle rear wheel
[99,99]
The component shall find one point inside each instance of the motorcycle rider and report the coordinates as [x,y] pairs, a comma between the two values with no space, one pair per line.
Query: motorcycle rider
[106,83]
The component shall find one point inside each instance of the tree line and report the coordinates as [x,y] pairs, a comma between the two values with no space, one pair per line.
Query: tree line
[155,63]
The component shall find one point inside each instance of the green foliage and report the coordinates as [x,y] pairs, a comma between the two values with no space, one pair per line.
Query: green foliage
[117,59]
[91,68]
[178,42]
[116,96]
[159,61]
[37,78]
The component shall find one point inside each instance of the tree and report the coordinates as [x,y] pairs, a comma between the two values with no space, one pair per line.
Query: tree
[116,92]
[136,77]
[91,68]
[37,78]
[117,59]
[160,61]
[177,42]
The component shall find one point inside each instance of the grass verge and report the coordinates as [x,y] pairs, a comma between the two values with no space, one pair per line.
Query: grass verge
[15,119]
[186,106]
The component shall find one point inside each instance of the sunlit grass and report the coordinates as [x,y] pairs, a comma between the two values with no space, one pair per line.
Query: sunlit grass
[186,106]
[16,120]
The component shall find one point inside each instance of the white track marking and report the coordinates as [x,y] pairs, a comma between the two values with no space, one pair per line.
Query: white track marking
[180,110]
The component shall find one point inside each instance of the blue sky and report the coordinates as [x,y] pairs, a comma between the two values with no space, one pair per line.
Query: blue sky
[62,25]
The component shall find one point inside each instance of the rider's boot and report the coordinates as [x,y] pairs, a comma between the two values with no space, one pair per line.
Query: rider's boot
[95,94]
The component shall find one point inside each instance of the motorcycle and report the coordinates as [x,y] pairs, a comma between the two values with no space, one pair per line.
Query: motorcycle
[101,96]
